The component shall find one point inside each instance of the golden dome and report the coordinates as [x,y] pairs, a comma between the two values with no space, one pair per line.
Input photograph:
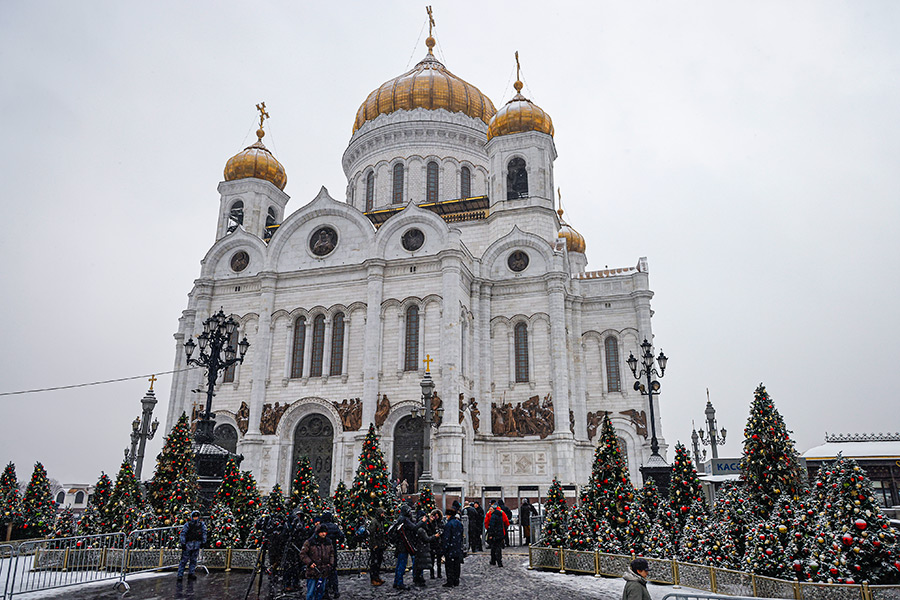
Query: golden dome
[518,115]
[574,240]
[428,85]
[256,161]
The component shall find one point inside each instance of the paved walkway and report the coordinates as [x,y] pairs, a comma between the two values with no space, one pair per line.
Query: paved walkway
[478,578]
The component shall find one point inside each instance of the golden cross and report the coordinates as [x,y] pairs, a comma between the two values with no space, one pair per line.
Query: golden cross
[428,360]
[153,379]
[430,20]
[263,115]
[518,77]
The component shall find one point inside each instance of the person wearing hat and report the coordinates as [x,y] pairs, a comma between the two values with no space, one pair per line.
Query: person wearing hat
[319,557]
[636,580]
[193,535]
[377,543]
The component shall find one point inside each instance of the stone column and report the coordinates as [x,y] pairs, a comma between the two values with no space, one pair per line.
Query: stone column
[511,352]
[580,373]
[348,332]
[559,352]
[485,354]
[251,444]
[448,449]
[326,349]
[178,392]
[372,354]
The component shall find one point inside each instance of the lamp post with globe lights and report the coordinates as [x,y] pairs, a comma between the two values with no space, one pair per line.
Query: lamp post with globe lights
[645,374]
[713,436]
[142,430]
[431,418]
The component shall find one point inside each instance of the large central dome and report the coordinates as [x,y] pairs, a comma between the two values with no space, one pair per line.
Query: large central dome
[428,85]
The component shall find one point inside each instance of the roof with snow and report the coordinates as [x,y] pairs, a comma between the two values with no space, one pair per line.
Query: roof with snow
[857,445]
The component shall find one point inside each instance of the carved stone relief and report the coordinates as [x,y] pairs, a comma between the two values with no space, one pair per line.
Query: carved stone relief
[594,420]
[531,417]
[351,413]
[638,419]
[383,410]
[271,416]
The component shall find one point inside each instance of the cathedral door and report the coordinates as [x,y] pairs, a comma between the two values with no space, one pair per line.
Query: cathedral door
[314,438]
[409,450]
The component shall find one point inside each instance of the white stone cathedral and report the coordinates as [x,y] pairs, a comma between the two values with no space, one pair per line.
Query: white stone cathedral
[447,244]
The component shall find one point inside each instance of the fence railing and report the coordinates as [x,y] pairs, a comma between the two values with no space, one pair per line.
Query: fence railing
[6,563]
[703,577]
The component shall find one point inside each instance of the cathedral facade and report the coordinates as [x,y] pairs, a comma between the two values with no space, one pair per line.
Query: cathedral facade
[447,246]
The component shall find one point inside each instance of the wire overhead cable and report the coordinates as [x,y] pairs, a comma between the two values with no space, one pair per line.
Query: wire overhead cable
[81,385]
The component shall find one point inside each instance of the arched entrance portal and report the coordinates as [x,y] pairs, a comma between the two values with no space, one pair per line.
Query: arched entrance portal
[314,438]
[408,450]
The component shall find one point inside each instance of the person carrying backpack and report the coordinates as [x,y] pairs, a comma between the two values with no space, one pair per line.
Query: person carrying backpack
[401,535]
[496,522]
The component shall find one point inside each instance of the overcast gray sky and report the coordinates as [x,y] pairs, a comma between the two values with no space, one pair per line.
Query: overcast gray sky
[748,149]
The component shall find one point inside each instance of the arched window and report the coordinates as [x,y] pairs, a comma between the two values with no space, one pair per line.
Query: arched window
[318,346]
[79,498]
[297,350]
[612,365]
[465,182]
[431,182]
[235,216]
[370,191]
[516,179]
[337,344]
[271,224]
[397,193]
[521,344]
[60,497]
[411,362]
[226,436]
[229,372]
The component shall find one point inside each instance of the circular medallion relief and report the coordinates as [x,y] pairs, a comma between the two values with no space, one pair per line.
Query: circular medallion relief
[412,239]
[517,261]
[323,241]
[239,261]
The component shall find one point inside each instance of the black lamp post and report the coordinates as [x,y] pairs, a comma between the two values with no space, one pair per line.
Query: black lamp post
[648,371]
[142,430]
[713,436]
[431,419]
[695,443]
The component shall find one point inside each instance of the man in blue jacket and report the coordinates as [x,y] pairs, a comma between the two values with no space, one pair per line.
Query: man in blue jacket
[192,537]
[452,547]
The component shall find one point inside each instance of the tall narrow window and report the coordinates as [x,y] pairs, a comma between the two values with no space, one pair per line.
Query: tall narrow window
[337,344]
[521,342]
[516,179]
[465,182]
[297,350]
[411,362]
[612,365]
[235,216]
[229,372]
[397,194]
[271,224]
[318,346]
[370,191]
[431,182]
[79,498]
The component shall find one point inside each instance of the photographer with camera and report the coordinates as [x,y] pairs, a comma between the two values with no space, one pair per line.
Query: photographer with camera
[319,557]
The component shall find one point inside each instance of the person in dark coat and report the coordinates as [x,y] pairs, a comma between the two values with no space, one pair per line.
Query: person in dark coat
[506,510]
[476,526]
[636,580]
[337,538]
[435,527]
[377,544]
[193,535]
[403,532]
[423,550]
[319,557]
[452,548]
[526,511]
[496,523]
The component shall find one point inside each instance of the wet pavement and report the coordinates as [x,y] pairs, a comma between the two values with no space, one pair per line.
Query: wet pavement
[478,578]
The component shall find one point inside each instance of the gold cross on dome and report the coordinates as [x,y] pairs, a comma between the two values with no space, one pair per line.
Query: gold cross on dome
[518,69]
[428,360]
[430,20]
[152,380]
[263,115]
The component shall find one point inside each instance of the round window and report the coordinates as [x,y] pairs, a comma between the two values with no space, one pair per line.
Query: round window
[413,239]
[239,261]
[323,241]
[517,261]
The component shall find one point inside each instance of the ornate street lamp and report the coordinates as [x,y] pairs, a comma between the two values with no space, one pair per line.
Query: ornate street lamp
[142,430]
[695,443]
[648,371]
[431,418]
[713,436]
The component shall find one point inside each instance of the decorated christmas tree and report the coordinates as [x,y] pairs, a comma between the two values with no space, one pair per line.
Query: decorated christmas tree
[608,538]
[426,500]
[650,499]
[65,523]
[339,500]
[855,540]
[579,531]
[685,488]
[223,530]
[660,542]
[554,532]
[173,489]
[95,518]
[305,494]
[717,547]
[38,507]
[125,503]
[691,546]
[10,502]
[800,548]
[275,504]
[371,487]
[247,504]
[227,493]
[608,472]
[731,514]
[769,465]
[635,535]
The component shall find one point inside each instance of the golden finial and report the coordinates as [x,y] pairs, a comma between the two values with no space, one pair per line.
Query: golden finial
[153,379]
[518,83]
[428,360]
[429,41]
[263,115]
[559,211]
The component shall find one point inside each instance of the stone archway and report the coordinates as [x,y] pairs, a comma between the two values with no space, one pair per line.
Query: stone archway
[409,450]
[314,438]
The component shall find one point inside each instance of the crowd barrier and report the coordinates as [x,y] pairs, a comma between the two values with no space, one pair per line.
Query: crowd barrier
[704,577]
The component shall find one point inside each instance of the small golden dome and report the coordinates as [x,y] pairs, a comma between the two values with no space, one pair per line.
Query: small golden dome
[574,240]
[256,161]
[518,115]
[428,85]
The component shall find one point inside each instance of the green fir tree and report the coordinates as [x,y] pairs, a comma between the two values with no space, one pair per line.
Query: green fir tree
[685,487]
[608,472]
[125,502]
[229,489]
[426,500]
[579,531]
[223,530]
[339,500]
[65,523]
[371,487]
[95,518]
[275,503]
[11,517]
[173,490]
[305,494]
[247,504]
[554,532]
[38,507]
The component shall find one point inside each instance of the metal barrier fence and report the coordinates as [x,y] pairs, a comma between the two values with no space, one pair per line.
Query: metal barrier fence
[49,564]
[537,522]
[703,577]
[6,563]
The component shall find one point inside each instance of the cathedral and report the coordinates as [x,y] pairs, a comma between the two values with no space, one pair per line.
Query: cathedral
[447,252]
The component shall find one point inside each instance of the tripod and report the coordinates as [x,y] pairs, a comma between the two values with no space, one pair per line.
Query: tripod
[259,568]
